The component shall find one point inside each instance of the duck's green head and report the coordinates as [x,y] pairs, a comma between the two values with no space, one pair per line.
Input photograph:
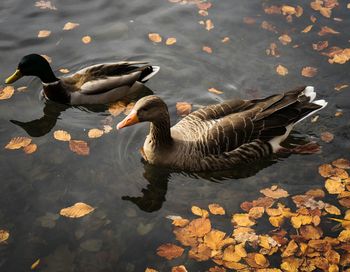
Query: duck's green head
[33,65]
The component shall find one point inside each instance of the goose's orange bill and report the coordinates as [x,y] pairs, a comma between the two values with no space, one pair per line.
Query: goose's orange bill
[129,120]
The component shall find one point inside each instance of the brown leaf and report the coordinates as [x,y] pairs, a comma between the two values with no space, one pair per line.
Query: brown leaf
[249,20]
[256,212]
[288,10]
[316,193]
[319,46]
[183,108]
[86,39]
[79,147]
[207,49]
[310,232]
[18,142]
[31,148]
[273,10]
[309,71]
[217,269]
[169,251]
[79,209]
[340,56]
[179,268]
[281,70]
[325,170]
[154,37]
[215,91]
[214,238]
[327,30]
[6,92]
[44,33]
[266,25]
[216,209]
[327,136]
[340,86]
[285,39]
[276,193]
[95,133]
[331,209]
[4,235]
[307,29]
[200,253]
[35,264]
[204,5]
[342,163]
[170,41]
[309,148]
[70,26]
[272,50]
[256,260]
[62,135]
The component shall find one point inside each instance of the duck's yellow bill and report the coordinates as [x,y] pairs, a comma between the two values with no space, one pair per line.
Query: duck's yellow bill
[16,76]
[129,120]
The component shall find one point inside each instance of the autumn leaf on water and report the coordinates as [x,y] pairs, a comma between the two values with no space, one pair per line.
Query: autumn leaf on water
[203,5]
[285,39]
[288,10]
[340,56]
[62,135]
[64,71]
[209,25]
[199,212]
[116,108]
[180,268]
[327,30]
[183,108]
[154,37]
[70,26]
[281,70]
[216,209]
[340,86]
[79,209]
[45,5]
[150,270]
[4,235]
[44,33]
[79,147]
[86,39]
[207,49]
[49,59]
[242,219]
[6,92]
[18,142]
[273,9]
[169,251]
[170,41]
[35,264]
[266,25]
[272,50]
[327,136]
[107,129]
[274,192]
[319,46]
[29,149]
[203,12]
[307,29]
[95,133]
[225,40]
[342,163]
[309,71]
[215,91]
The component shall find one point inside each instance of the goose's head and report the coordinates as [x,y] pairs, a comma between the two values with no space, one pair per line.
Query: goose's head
[33,65]
[149,108]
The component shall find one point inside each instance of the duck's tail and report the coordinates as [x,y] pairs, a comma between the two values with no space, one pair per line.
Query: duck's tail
[149,72]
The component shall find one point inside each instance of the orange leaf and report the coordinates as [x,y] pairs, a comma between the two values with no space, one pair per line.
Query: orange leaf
[285,39]
[327,30]
[6,92]
[207,49]
[216,209]
[169,251]
[309,71]
[95,133]
[307,29]
[155,37]
[44,33]
[86,39]
[70,26]
[31,148]
[281,70]
[209,25]
[18,142]
[327,136]
[215,91]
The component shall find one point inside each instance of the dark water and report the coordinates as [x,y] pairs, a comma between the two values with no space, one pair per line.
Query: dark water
[133,199]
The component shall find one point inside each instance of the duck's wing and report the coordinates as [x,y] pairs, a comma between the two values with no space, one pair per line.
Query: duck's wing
[104,77]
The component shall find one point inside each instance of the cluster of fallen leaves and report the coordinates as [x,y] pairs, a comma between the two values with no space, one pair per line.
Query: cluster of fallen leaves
[297,236]
[23,143]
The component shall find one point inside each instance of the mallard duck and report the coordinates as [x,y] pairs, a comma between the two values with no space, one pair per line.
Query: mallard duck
[224,135]
[98,84]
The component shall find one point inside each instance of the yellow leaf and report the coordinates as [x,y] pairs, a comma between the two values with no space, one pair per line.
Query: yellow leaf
[169,251]
[213,239]
[281,70]
[86,39]
[285,39]
[215,91]
[31,148]
[288,10]
[35,264]
[242,219]
[170,41]
[344,236]
[307,29]
[70,26]
[62,135]
[79,209]
[331,209]
[107,129]
[181,222]
[4,235]
[6,92]
[230,255]
[18,142]
[334,186]
[79,147]
[155,37]
[276,221]
[179,268]
[276,193]
[44,33]
[260,259]
[95,133]
[256,212]
[216,209]
[200,212]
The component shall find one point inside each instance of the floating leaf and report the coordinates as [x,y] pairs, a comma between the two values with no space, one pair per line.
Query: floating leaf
[170,41]
[6,92]
[276,193]
[266,25]
[35,264]
[31,148]
[327,136]
[18,142]
[117,108]
[339,87]
[309,71]
[79,209]
[199,212]
[64,71]
[209,25]
[155,37]
[207,49]
[4,235]
[307,29]
[169,251]
[243,220]
[107,129]
[319,46]
[44,33]
[95,133]
[225,40]
[179,268]
[150,270]
[70,26]
[62,135]
[334,186]
[79,147]
[272,50]
[203,5]
[327,30]
[45,5]
[281,70]
[86,39]
[215,91]
[216,209]
[285,39]
[342,163]
[183,108]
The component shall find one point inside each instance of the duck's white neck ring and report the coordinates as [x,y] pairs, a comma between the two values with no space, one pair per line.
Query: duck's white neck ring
[51,83]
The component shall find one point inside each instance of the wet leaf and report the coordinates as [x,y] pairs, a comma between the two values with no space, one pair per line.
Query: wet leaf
[325,170]
[285,39]
[200,253]
[342,163]
[169,251]
[4,235]
[116,108]
[266,25]
[183,108]
[281,70]
[70,26]
[275,193]
[86,39]
[181,222]
[288,10]
[340,56]
[199,212]
[331,209]
[344,236]
[6,92]
[154,37]
[256,212]
[35,264]
[327,30]
[209,25]
[207,49]
[319,46]
[79,147]
[272,50]
[309,232]
[179,268]
[45,5]
[18,142]
[107,129]
[95,133]
[29,149]
[150,270]
[78,210]
[309,71]
[62,135]
[216,209]
[44,33]
[334,186]
[214,238]
[170,41]
[327,136]
[215,91]
[309,148]
[217,269]
[242,219]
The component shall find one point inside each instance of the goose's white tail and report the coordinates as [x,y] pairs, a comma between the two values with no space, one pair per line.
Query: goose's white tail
[155,71]
[309,92]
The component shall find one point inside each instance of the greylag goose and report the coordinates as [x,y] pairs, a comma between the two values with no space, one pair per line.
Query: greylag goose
[220,136]
[97,84]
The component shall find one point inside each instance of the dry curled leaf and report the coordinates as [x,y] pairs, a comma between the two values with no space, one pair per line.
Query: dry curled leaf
[86,39]
[215,91]
[281,70]
[183,108]
[79,147]
[154,37]
[44,33]
[18,142]
[6,92]
[4,235]
[79,209]
[70,26]
[309,71]
[170,41]
[62,135]
[207,49]
[169,251]
[95,133]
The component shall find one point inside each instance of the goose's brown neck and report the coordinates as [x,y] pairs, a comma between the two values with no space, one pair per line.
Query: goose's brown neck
[160,131]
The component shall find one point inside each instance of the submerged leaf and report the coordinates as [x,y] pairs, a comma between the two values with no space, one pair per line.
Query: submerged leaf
[79,147]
